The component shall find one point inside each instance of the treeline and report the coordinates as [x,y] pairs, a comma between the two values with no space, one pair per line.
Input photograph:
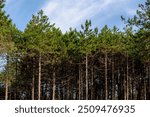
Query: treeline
[44,63]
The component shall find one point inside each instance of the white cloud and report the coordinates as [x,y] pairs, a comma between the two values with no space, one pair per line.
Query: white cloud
[131,12]
[9,2]
[70,13]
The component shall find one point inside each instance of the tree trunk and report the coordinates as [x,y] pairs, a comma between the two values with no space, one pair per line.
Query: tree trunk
[127,80]
[54,84]
[92,83]
[7,77]
[113,80]
[118,81]
[87,77]
[145,89]
[39,78]
[106,74]
[125,84]
[80,81]
[145,83]
[132,80]
[6,88]
[68,89]
[33,79]
[149,78]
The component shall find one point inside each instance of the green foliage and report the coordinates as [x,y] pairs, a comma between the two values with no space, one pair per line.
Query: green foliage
[88,38]
[6,42]
[35,33]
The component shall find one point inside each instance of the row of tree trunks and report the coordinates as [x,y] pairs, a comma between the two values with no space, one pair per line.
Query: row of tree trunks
[116,79]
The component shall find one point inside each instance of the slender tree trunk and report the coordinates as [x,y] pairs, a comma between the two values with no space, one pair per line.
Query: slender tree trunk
[80,81]
[33,79]
[125,84]
[145,89]
[54,84]
[132,80]
[118,81]
[92,83]
[113,80]
[87,77]
[106,75]
[6,80]
[39,78]
[127,80]
[68,89]
[149,78]
[145,83]
[6,88]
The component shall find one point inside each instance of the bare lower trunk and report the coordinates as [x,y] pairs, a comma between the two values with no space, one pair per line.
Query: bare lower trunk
[6,80]
[145,83]
[33,78]
[118,82]
[68,89]
[113,80]
[80,81]
[127,81]
[87,77]
[6,89]
[149,79]
[125,86]
[106,74]
[132,80]
[144,89]
[92,83]
[54,84]
[39,79]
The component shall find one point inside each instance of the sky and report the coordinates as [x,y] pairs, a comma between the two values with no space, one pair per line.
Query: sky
[73,13]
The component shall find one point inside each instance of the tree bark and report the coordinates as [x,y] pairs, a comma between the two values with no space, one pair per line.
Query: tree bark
[127,80]
[118,81]
[92,83]
[145,83]
[33,79]
[6,88]
[54,84]
[132,80]
[39,78]
[80,81]
[113,80]
[68,89]
[149,78]
[87,77]
[125,84]
[7,77]
[106,75]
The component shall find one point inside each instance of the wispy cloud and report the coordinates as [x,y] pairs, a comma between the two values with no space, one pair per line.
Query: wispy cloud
[8,2]
[70,13]
[130,11]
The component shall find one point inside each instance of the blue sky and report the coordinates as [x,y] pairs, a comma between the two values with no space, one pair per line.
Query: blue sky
[72,13]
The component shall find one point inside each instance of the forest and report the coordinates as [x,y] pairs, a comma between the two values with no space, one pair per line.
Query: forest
[43,63]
